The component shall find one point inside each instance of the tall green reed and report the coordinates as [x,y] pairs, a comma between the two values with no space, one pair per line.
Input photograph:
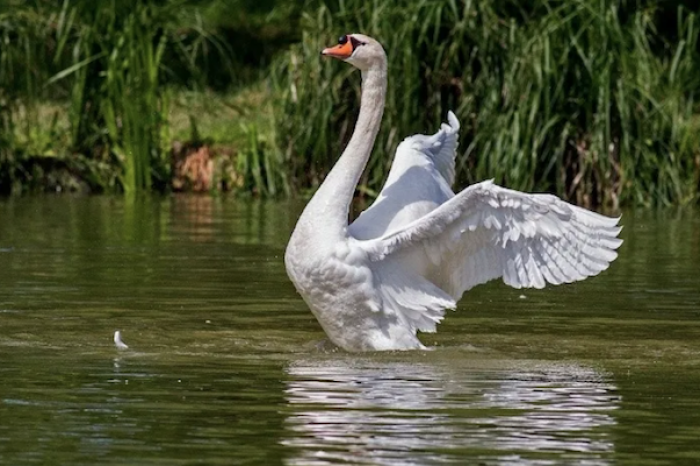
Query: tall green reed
[260,166]
[112,66]
[119,55]
[592,100]
[117,103]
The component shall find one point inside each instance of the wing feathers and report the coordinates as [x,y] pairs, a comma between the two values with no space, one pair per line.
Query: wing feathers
[487,232]
[440,147]
[420,180]
[414,299]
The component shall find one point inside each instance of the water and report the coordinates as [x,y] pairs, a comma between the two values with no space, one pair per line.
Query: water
[225,364]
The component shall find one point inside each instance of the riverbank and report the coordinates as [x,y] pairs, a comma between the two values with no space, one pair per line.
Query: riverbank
[594,103]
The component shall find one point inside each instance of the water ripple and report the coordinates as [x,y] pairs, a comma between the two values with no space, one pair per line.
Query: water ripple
[401,413]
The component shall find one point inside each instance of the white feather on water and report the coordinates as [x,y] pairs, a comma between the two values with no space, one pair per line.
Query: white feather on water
[118,341]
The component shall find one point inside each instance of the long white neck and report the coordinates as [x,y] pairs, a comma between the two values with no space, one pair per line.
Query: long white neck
[327,212]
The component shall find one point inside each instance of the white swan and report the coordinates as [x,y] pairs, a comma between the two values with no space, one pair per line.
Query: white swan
[418,247]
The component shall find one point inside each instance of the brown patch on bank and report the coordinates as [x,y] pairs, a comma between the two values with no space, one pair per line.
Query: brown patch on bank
[193,168]
[200,167]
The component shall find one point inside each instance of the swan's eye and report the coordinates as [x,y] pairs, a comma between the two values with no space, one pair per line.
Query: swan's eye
[343,40]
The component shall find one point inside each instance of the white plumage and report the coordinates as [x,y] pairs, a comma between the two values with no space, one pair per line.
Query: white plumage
[118,341]
[419,247]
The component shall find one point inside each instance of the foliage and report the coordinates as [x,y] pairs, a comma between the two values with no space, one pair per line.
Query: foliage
[17,39]
[106,60]
[592,100]
[118,107]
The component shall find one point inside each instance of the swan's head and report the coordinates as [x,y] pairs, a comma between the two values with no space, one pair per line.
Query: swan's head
[359,50]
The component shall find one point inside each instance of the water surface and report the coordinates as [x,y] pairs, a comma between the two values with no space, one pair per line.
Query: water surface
[227,366]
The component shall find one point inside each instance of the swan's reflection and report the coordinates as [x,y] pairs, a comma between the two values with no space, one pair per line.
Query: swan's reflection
[379,412]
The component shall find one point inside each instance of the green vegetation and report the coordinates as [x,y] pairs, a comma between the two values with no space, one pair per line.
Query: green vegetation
[86,90]
[591,99]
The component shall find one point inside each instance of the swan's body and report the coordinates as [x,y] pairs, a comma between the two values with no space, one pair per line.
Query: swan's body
[419,247]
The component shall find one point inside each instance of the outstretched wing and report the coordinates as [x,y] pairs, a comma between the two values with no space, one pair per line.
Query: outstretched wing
[419,181]
[488,232]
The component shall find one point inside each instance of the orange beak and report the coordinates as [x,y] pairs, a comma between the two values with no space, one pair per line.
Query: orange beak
[341,51]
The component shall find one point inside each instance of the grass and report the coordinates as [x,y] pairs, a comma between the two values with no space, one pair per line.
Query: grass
[105,64]
[219,117]
[118,106]
[239,122]
[591,100]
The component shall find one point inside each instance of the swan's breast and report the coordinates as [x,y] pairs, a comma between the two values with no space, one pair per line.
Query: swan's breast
[323,275]
[339,288]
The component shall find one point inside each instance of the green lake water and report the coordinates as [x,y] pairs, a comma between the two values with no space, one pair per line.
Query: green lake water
[225,364]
